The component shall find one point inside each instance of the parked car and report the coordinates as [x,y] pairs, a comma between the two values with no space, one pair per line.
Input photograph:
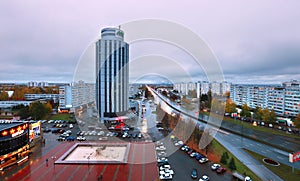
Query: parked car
[204,178]
[70,138]
[193,154]
[215,166]
[203,160]
[81,138]
[190,151]
[47,130]
[199,156]
[184,148]
[221,170]
[61,138]
[194,174]
[140,135]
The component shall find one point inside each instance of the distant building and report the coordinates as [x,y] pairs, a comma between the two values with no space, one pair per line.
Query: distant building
[65,96]
[76,94]
[202,87]
[112,73]
[82,93]
[283,99]
[32,97]
[10,104]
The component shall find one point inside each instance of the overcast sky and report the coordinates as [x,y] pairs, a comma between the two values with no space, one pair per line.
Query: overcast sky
[254,41]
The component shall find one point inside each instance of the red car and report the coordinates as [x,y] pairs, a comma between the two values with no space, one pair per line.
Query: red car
[221,170]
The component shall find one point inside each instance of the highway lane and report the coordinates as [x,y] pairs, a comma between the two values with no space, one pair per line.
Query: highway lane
[233,145]
[181,163]
[239,141]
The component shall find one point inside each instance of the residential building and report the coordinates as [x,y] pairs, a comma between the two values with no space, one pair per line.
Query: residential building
[283,99]
[76,94]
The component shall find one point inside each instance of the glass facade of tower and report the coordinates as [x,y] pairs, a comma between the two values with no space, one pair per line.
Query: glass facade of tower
[112,73]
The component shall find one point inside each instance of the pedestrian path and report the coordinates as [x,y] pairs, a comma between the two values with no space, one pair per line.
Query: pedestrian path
[256,167]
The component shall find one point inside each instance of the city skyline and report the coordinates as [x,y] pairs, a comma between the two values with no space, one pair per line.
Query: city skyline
[254,41]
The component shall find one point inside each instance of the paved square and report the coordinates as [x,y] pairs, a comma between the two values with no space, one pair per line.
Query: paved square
[96,153]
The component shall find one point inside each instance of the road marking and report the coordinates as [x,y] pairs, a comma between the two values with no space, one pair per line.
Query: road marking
[74,172]
[279,157]
[116,172]
[88,172]
[131,164]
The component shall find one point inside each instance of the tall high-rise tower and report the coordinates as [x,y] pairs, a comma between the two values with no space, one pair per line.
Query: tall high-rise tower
[112,73]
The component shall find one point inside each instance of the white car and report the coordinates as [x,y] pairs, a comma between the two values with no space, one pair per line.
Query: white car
[166,171]
[203,160]
[162,154]
[215,166]
[162,159]
[204,178]
[160,148]
[179,143]
[71,126]
[165,167]
[100,133]
[184,148]
[165,176]
[193,154]
[81,138]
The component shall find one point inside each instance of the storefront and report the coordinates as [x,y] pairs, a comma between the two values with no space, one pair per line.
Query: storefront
[14,143]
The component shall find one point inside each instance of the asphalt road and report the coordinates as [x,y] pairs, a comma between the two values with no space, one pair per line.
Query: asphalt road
[181,163]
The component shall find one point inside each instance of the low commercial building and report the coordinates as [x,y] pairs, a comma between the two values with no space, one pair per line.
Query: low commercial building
[14,143]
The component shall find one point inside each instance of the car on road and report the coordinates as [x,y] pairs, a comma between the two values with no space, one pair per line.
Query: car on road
[194,173]
[221,170]
[71,126]
[215,166]
[203,160]
[204,178]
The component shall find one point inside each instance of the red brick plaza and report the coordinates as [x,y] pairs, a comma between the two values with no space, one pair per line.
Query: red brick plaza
[140,152]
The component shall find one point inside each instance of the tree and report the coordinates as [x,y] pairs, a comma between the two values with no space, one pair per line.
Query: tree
[245,111]
[48,107]
[224,158]
[232,165]
[297,121]
[230,106]
[23,112]
[258,113]
[227,94]
[18,94]
[37,110]
[268,116]
[3,96]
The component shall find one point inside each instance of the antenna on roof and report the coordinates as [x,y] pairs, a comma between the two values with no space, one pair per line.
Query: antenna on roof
[119,27]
